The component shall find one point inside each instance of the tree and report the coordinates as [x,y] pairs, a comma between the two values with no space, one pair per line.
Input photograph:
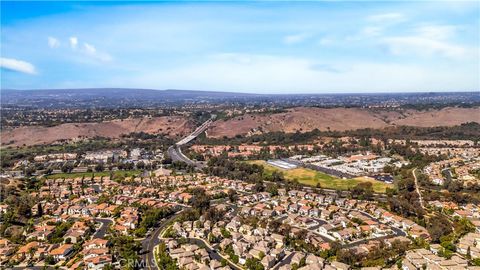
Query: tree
[49,260]
[39,210]
[438,226]
[363,191]
[389,169]
[127,249]
[29,171]
[67,168]
[232,195]
[259,187]
[200,200]
[277,176]
[272,189]
[164,260]
[140,165]
[214,215]
[99,167]
[253,264]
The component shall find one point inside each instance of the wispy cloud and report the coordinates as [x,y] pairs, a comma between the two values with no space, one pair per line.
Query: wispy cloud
[91,51]
[422,46]
[438,32]
[53,42]
[325,67]
[326,41]
[160,45]
[387,17]
[371,31]
[378,24]
[17,65]
[247,72]
[85,49]
[296,38]
[427,41]
[73,42]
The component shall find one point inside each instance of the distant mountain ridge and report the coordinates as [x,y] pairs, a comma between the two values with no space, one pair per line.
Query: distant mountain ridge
[114,92]
[138,97]
[115,96]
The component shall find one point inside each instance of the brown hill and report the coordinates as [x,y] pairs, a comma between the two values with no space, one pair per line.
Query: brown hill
[296,119]
[170,125]
[306,119]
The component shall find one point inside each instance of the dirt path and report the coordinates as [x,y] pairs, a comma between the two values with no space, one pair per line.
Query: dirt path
[420,198]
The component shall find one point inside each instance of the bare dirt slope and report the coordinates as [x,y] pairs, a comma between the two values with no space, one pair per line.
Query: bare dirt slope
[306,119]
[172,126]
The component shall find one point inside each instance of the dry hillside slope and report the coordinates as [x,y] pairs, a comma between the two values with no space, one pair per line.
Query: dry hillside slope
[172,126]
[296,119]
[306,119]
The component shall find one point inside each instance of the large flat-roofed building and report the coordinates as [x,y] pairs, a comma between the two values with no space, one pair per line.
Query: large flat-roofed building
[282,164]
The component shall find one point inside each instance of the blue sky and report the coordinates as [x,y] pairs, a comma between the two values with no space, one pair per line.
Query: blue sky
[259,47]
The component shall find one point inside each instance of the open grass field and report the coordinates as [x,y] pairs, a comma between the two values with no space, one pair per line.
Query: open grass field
[312,178]
[116,174]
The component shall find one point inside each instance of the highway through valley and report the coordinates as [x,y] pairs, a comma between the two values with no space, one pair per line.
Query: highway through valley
[175,151]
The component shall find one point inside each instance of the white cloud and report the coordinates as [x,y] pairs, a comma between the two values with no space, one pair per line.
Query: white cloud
[371,31]
[325,41]
[53,42]
[233,57]
[386,17]
[89,48]
[86,49]
[73,42]
[17,65]
[424,47]
[91,51]
[438,32]
[296,38]
[378,23]
[428,40]
[229,72]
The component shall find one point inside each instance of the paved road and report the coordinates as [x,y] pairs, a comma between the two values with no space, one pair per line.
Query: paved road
[149,243]
[199,130]
[176,155]
[34,268]
[175,152]
[100,233]
[397,231]
[212,252]
[287,260]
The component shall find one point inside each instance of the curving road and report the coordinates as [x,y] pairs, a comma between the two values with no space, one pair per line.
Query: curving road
[213,252]
[100,233]
[149,243]
[175,152]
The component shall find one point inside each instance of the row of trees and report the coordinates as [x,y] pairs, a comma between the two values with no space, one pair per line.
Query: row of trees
[466,131]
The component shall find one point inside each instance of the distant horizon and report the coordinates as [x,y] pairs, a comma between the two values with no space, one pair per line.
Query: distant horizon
[262,47]
[245,92]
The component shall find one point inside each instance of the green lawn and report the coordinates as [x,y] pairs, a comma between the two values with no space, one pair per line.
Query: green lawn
[312,177]
[116,174]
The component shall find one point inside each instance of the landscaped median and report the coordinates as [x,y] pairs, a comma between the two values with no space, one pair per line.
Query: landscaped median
[313,178]
[155,254]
